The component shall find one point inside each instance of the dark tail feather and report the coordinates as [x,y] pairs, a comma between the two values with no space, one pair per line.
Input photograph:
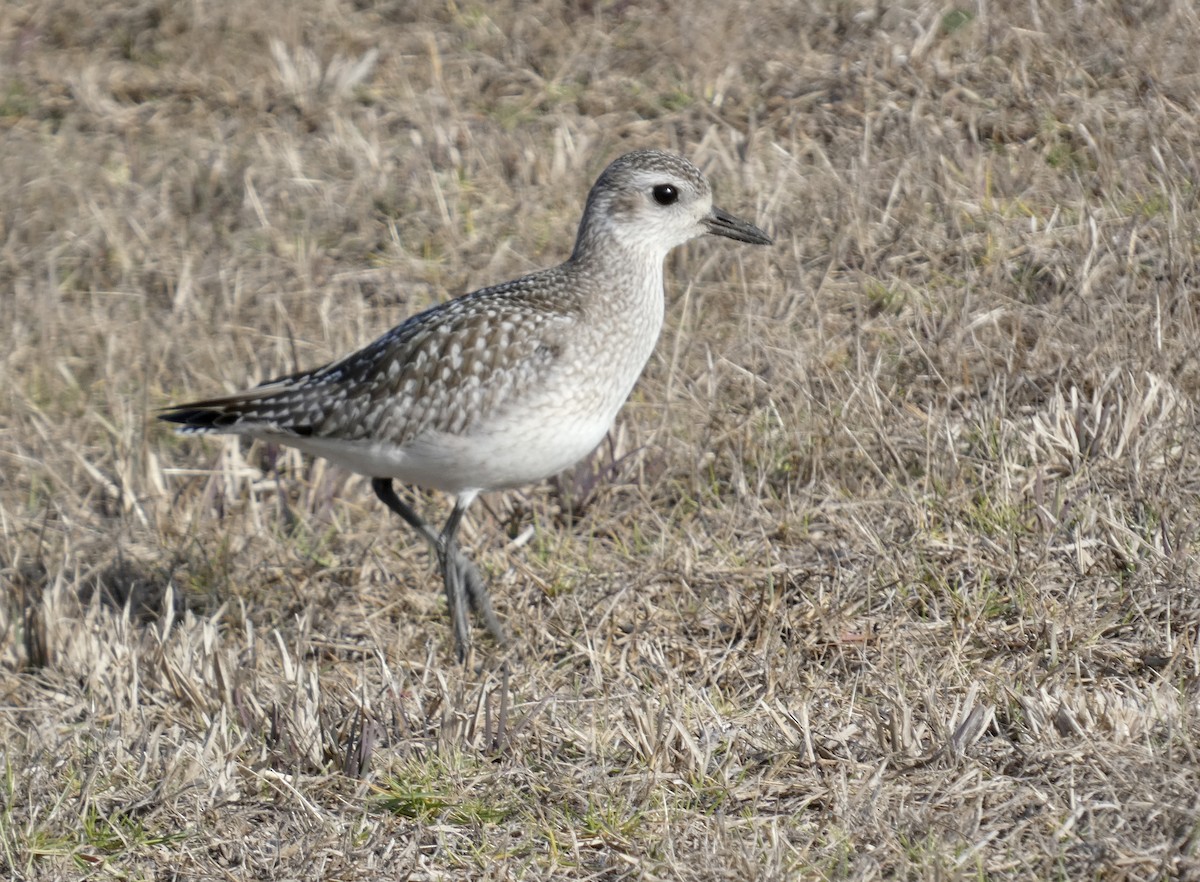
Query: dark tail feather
[227,415]
[199,417]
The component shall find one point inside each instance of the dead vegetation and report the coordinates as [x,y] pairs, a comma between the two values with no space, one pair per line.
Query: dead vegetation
[889,570]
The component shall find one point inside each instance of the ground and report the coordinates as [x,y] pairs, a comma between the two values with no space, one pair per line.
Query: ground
[888,569]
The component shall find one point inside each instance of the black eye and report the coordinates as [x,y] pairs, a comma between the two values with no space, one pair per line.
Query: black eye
[665,194]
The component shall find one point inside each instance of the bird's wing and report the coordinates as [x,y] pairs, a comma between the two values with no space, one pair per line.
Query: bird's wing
[440,370]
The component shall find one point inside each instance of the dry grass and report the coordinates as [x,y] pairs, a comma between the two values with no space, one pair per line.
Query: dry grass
[889,572]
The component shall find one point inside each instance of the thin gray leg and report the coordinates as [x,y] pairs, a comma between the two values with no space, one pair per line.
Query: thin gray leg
[452,577]
[476,588]
[387,495]
[460,577]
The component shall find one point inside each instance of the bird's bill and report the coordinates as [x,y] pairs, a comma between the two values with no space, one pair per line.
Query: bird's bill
[722,223]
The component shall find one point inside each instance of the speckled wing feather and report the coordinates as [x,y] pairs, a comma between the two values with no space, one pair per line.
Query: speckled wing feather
[440,370]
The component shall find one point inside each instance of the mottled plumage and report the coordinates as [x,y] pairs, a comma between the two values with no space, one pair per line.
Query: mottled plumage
[502,387]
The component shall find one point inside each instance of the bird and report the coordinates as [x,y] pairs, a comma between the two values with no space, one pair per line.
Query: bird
[501,387]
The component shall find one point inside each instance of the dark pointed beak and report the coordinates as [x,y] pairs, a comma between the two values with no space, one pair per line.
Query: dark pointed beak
[722,223]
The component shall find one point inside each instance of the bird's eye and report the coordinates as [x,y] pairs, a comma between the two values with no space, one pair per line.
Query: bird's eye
[665,194]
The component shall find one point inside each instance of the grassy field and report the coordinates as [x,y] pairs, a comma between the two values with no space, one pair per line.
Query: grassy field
[888,570]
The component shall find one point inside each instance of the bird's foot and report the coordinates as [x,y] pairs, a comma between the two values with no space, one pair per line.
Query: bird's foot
[463,582]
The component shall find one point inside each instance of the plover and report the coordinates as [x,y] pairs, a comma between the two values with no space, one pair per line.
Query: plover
[502,387]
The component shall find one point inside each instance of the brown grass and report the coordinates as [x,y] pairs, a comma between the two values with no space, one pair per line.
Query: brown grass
[890,570]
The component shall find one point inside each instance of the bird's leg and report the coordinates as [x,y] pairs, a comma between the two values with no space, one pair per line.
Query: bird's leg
[476,588]
[459,575]
[452,577]
[387,495]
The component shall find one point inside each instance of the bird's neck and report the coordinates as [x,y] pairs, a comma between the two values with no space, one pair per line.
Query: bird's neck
[622,278]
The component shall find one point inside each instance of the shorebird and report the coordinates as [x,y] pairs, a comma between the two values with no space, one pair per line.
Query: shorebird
[501,387]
